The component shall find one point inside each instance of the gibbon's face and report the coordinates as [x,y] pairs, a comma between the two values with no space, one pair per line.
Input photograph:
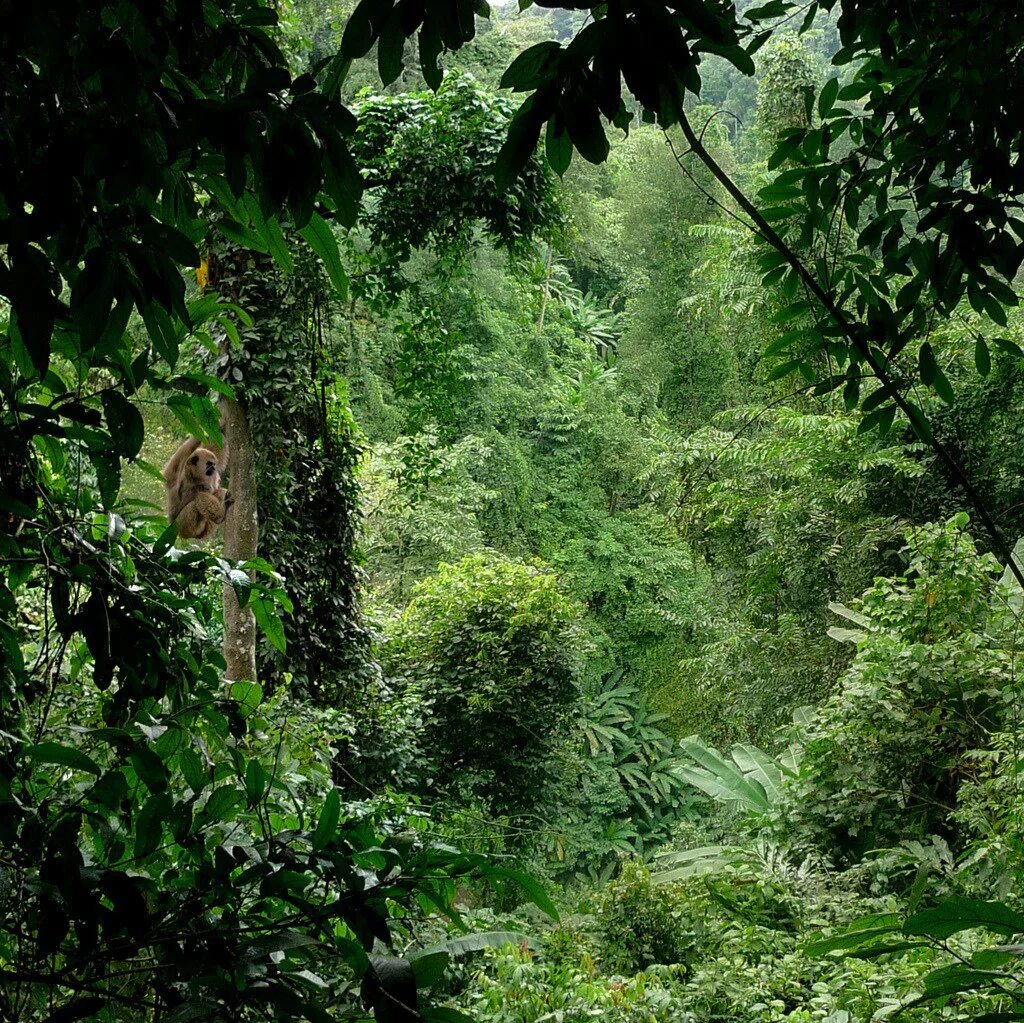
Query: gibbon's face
[203,467]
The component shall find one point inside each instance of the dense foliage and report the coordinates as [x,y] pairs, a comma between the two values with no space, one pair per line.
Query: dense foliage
[490,648]
[617,614]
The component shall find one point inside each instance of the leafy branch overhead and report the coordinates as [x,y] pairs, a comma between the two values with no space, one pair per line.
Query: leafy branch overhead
[268,145]
[423,151]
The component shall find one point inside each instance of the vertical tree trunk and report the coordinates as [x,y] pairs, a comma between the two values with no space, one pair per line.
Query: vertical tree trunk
[241,535]
[545,294]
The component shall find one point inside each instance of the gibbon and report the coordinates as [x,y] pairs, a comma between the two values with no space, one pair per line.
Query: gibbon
[195,499]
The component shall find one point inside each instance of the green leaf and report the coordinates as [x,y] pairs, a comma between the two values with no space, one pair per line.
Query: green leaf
[429,968]
[784,151]
[558,147]
[991,959]
[389,48]
[242,235]
[334,76]
[327,825]
[149,824]
[849,614]
[950,980]
[982,357]
[772,9]
[689,863]
[165,540]
[124,422]
[222,802]
[390,988]
[926,364]
[64,756]
[271,235]
[191,767]
[533,890]
[527,72]
[887,948]
[255,782]
[364,26]
[270,623]
[853,938]
[108,476]
[787,340]
[827,99]
[784,370]
[943,388]
[955,915]
[248,695]
[919,422]
[719,778]
[149,768]
[321,240]
[520,142]
[241,584]
[478,942]
[1009,347]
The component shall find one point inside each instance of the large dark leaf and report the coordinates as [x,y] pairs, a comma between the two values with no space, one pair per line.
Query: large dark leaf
[389,988]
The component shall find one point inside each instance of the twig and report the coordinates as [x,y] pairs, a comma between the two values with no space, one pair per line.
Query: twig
[858,343]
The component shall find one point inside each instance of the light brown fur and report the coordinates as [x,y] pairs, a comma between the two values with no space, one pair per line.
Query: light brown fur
[196,501]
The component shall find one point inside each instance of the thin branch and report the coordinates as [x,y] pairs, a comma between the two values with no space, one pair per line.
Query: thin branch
[859,344]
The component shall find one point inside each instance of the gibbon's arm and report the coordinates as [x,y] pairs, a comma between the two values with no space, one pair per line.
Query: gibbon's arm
[221,453]
[172,469]
[201,516]
[175,462]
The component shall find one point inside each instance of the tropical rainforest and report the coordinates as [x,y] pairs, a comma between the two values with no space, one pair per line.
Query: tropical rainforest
[604,574]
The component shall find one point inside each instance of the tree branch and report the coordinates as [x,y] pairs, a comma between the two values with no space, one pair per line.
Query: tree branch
[860,345]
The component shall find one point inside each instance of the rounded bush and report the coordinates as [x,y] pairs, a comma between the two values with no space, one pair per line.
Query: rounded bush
[493,646]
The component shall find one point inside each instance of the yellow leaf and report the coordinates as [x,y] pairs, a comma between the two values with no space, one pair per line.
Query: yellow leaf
[203,272]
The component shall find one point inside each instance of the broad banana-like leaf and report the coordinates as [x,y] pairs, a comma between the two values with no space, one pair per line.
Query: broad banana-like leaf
[751,779]
[711,760]
[756,764]
[845,635]
[802,716]
[1016,596]
[475,943]
[849,614]
[730,790]
[680,865]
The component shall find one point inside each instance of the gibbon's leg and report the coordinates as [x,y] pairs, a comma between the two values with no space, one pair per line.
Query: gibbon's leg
[201,516]
[190,522]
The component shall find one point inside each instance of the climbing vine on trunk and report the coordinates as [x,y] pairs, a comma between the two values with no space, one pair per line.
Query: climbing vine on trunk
[303,452]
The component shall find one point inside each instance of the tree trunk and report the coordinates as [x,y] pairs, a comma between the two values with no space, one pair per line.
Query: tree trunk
[546,292]
[241,535]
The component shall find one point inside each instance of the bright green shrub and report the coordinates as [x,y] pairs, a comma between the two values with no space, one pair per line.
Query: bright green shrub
[515,985]
[883,757]
[643,924]
[989,814]
[493,646]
